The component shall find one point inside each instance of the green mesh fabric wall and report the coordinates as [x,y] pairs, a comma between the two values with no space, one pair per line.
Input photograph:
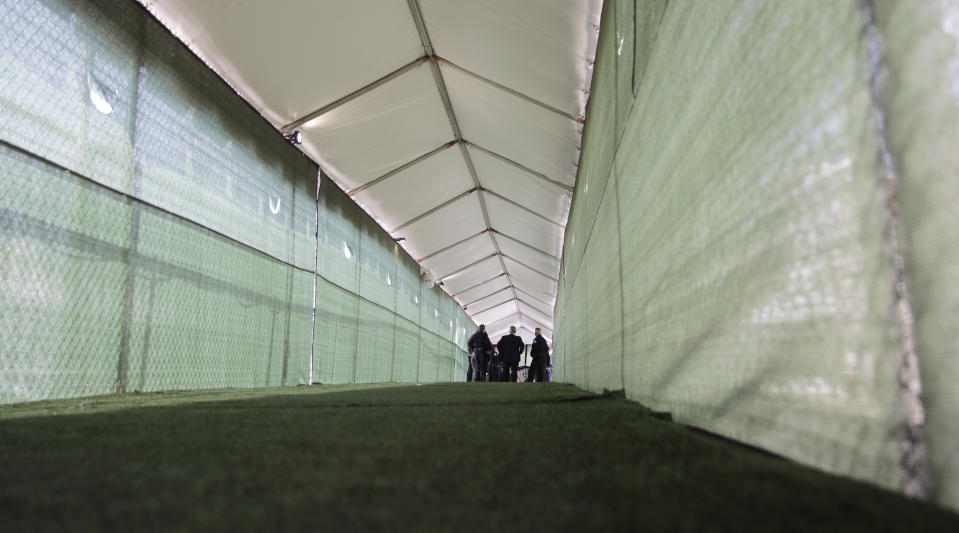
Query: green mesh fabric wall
[763,235]
[158,234]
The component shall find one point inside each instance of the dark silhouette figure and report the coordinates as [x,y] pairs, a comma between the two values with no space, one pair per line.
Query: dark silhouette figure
[511,347]
[539,351]
[480,347]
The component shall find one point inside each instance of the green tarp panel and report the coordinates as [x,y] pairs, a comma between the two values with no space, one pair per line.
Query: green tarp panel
[157,233]
[763,240]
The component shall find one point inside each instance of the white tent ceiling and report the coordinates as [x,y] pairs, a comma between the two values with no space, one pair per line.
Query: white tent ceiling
[455,123]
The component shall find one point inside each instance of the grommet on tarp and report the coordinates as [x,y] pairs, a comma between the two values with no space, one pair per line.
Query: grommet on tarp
[295,137]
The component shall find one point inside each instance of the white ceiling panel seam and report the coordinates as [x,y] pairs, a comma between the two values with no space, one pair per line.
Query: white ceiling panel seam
[444,93]
[450,247]
[380,131]
[494,293]
[498,313]
[523,207]
[465,268]
[503,158]
[531,290]
[448,105]
[533,304]
[531,269]
[401,168]
[514,92]
[494,306]
[541,312]
[540,47]
[432,211]
[501,326]
[508,82]
[354,95]
[524,243]
[567,190]
[493,300]
[533,313]
[535,298]
[480,284]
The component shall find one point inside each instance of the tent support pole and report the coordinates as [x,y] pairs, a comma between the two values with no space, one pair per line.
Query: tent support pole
[522,167]
[353,95]
[401,168]
[530,99]
[421,216]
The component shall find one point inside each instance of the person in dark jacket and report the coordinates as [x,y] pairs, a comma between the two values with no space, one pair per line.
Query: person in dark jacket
[511,347]
[480,347]
[539,351]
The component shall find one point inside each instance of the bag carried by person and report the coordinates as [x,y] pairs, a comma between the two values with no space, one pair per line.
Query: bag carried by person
[497,370]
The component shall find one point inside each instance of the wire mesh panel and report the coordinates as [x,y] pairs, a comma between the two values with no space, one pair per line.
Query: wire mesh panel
[69,86]
[378,258]
[374,349]
[158,234]
[339,239]
[406,351]
[920,43]
[603,306]
[784,176]
[64,245]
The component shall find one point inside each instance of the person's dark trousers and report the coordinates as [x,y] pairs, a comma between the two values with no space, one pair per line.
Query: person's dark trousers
[469,371]
[481,360]
[537,372]
[511,367]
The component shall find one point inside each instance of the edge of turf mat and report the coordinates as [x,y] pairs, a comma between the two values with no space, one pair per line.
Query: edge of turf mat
[435,457]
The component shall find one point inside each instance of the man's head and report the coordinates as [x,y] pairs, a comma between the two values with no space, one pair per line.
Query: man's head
[512,330]
[538,332]
[482,327]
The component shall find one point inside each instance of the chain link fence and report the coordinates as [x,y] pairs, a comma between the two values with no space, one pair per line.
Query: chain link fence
[763,236]
[157,233]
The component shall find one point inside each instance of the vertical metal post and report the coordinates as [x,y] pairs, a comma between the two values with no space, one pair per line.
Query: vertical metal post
[396,288]
[359,290]
[419,331]
[130,254]
[316,257]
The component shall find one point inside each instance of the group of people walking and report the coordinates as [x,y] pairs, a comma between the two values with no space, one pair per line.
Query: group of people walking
[501,362]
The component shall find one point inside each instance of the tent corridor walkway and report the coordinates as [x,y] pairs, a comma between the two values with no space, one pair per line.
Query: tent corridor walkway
[443,457]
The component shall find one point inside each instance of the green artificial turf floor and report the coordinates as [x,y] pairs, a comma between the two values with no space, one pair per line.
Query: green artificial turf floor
[445,457]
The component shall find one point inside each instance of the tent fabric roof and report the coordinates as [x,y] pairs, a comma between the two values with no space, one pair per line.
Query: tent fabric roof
[456,124]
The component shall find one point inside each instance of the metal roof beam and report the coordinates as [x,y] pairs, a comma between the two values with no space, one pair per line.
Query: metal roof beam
[354,95]
[451,246]
[417,14]
[536,323]
[494,293]
[533,296]
[513,92]
[530,246]
[520,300]
[520,166]
[501,304]
[401,168]
[467,267]
[524,265]
[524,208]
[433,210]
[480,284]
[533,305]
[493,326]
